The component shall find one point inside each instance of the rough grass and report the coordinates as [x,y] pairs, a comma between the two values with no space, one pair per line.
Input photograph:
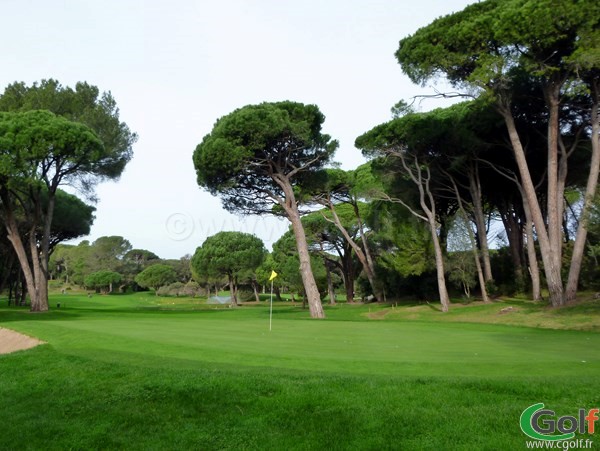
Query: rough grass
[584,315]
[140,372]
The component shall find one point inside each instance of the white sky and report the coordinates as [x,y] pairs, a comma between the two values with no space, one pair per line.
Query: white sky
[175,67]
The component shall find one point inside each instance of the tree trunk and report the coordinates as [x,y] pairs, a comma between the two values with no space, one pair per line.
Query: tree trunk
[330,289]
[34,266]
[22,297]
[476,197]
[349,286]
[514,234]
[15,238]
[290,206]
[590,191]
[255,288]
[232,291]
[362,257]
[554,197]
[534,269]
[427,203]
[308,279]
[474,249]
[439,266]
[377,291]
[41,301]
[552,271]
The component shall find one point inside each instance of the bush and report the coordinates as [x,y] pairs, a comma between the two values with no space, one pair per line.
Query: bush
[193,289]
[173,289]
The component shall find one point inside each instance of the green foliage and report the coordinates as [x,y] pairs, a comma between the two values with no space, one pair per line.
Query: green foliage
[86,105]
[343,186]
[140,257]
[33,140]
[489,43]
[102,280]
[72,218]
[72,263]
[108,251]
[401,108]
[156,276]
[264,271]
[227,253]
[461,270]
[238,158]
[133,262]
[406,248]
[182,267]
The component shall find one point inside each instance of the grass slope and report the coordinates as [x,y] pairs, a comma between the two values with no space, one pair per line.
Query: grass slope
[140,372]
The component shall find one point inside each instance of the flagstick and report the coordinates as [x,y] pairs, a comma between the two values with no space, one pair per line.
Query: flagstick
[271,314]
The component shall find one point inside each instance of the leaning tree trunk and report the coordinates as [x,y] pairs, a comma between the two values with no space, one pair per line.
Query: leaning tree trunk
[362,256]
[15,239]
[377,291]
[474,249]
[290,206]
[534,269]
[551,269]
[421,177]
[312,295]
[476,196]
[590,191]
[255,288]
[439,266]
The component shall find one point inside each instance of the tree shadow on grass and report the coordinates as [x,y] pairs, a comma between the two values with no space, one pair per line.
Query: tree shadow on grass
[435,308]
[12,314]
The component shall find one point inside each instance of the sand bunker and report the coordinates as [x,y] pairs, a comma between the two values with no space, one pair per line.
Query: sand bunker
[11,341]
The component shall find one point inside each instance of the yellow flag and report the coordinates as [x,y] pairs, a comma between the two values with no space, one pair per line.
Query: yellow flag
[273,275]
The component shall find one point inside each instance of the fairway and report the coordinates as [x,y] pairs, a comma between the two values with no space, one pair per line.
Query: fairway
[187,375]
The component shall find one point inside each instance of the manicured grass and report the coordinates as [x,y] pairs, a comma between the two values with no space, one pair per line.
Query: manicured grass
[140,372]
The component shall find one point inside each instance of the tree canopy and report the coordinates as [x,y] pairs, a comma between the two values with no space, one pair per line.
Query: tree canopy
[102,280]
[250,152]
[231,254]
[86,105]
[258,157]
[156,276]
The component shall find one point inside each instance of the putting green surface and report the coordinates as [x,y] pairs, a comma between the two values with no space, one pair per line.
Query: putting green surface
[242,337]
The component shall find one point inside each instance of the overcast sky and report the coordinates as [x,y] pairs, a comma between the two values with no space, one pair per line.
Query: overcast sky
[175,67]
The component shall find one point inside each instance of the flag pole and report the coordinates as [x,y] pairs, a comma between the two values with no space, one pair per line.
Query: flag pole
[271,313]
[273,275]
